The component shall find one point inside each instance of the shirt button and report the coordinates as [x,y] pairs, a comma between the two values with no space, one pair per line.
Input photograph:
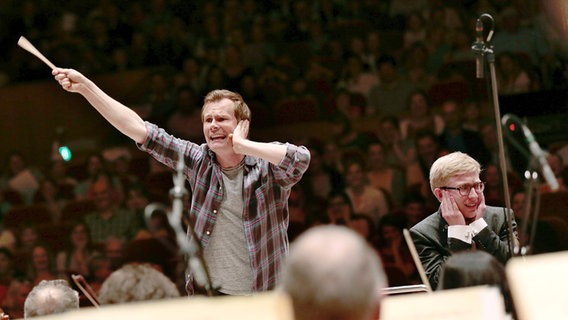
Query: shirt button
[214,211]
[208,232]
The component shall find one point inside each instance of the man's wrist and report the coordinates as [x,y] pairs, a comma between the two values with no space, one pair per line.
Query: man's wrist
[477,226]
[460,232]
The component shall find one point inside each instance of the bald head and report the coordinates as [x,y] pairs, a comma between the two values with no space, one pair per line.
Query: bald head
[50,297]
[332,273]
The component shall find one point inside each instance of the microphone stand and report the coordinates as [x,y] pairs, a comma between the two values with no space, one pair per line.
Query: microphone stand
[188,244]
[485,48]
[530,200]
[187,241]
[532,186]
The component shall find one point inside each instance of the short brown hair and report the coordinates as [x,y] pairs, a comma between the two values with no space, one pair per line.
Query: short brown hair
[242,111]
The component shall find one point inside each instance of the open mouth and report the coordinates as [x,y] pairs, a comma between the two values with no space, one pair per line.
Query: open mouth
[471,206]
[217,138]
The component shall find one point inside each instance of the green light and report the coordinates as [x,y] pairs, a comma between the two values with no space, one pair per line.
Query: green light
[65,153]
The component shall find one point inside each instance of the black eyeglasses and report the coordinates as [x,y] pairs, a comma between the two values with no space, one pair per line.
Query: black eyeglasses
[466,188]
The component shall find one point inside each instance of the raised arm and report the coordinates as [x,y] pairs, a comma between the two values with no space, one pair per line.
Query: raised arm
[120,116]
[273,153]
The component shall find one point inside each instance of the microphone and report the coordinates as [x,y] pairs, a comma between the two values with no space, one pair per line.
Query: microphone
[478,48]
[541,157]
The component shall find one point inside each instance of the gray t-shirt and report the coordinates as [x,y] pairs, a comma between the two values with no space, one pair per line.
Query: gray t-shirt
[227,254]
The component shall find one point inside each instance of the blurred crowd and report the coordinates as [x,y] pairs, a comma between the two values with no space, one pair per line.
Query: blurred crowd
[406,63]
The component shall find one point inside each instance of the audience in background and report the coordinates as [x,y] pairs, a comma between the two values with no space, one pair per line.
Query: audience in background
[321,179]
[99,268]
[65,183]
[399,152]
[383,176]
[339,208]
[7,272]
[364,226]
[41,264]
[368,78]
[390,95]
[365,199]
[456,138]
[413,209]
[94,166]
[114,251]
[28,237]
[18,176]
[393,251]
[109,217]
[78,252]
[420,117]
[13,304]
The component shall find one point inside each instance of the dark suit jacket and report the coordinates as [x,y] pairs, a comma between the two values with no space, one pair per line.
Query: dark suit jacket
[430,236]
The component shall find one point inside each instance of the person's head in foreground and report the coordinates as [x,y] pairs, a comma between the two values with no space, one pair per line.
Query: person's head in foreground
[475,268]
[332,273]
[457,175]
[50,297]
[136,282]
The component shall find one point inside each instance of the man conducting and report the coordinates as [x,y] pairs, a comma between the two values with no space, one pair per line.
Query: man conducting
[239,187]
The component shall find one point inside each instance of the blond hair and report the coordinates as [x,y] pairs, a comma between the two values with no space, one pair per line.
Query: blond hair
[450,165]
[242,111]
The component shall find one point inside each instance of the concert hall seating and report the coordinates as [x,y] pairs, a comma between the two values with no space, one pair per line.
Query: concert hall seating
[76,209]
[453,90]
[35,214]
[292,111]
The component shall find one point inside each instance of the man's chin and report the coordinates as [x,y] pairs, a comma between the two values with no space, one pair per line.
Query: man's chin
[470,213]
[215,144]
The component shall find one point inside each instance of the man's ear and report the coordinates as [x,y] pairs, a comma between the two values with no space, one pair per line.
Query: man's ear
[438,194]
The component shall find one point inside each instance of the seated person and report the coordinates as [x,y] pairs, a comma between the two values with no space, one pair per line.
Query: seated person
[475,268]
[50,297]
[463,221]
[136,282]
[333,273]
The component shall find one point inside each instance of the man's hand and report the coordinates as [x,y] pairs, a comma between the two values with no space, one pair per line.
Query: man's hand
[450,211]
[239,134]
[481,208]
[69,79]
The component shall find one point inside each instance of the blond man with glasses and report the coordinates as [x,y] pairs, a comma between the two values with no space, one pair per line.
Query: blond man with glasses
[463,221]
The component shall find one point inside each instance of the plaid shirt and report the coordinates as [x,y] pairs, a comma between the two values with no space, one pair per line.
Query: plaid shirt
[266,188]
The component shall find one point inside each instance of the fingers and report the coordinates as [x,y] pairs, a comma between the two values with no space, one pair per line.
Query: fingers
[450,210]
[57,71]
[62,76]
[246,125]
[242,128]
